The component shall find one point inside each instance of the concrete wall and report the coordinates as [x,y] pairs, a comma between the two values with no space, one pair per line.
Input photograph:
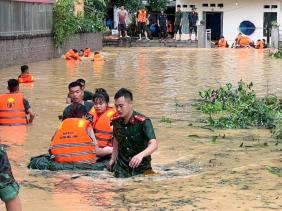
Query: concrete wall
[32,49]
[236,11]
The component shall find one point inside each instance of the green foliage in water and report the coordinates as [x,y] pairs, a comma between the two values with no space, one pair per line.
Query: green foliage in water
[238,107]
[277,54]
[66,23]
[166,120]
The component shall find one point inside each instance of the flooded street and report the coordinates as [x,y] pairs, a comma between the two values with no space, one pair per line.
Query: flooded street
[193,173]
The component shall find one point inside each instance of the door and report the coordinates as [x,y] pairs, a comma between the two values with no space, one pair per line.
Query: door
[214,22]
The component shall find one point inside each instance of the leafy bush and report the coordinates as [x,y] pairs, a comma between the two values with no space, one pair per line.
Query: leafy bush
[238,108]
[278,54]
[67,24]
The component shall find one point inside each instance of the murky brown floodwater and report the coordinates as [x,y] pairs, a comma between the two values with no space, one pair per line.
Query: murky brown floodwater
[194,173]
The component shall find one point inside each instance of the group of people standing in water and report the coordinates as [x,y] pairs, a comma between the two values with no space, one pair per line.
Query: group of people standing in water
[242,41]
[91,131]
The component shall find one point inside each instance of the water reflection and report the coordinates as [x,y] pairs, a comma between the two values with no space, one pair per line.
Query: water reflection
[160,79]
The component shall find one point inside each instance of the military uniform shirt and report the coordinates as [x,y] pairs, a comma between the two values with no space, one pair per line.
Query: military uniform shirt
[132,139]
[9,188]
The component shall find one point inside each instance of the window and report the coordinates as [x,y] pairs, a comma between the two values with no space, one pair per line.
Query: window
[184,5]
[274,6]
[212,5]
[266,6]
[205,5]
[220,5]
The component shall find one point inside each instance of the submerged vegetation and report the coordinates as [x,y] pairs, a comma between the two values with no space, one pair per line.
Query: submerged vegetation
[239,107]
[277,53]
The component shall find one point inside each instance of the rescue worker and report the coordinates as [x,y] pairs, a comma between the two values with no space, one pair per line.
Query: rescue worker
[134,138]
[178,22]
[76,94]
[102,114]
[162,24]
[259,44]
[222,43]
[14,107]
[81,53]
[87,52]
[25,76]
[97,57]
[72,54]
[74,140]
[9,188]
[237,40]
[87,95]
[193,18]
[142,20]
[245,42]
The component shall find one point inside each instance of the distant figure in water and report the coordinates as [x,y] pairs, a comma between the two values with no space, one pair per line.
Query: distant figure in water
[72,54]
[25,76]
[97,57]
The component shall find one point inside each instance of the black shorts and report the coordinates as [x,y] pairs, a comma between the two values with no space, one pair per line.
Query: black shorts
[177,28]
[141,27]
[122,27]
[192,28]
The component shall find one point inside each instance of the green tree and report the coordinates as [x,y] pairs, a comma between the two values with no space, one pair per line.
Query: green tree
[158,5]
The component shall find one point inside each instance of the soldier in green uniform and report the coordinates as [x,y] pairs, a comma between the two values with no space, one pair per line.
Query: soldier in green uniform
[134,138]
[9,188]
[87,95]
[76,94]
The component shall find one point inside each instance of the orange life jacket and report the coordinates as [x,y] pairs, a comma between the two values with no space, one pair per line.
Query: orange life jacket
[87,52]
[71,55]
[102,128]
[169,28]
[222,43]
[98,57]
[26,78]
[142,16]
[12,110]
[244,41]
[260,45]
[71,142]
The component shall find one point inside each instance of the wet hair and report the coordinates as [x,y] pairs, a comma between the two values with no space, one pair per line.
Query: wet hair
[75,84]
[13,85]
[123,92]
[96,52]
[82,81]
[101,94]
[76,110]
[24,68]
[74,50]
[221,36]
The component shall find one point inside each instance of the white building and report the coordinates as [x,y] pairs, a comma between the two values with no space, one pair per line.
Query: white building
[224,17]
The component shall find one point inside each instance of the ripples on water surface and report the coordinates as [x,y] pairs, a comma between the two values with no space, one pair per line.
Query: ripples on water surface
[192,172]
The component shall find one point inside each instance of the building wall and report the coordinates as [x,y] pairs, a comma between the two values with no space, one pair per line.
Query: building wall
[17,51]
[236,11]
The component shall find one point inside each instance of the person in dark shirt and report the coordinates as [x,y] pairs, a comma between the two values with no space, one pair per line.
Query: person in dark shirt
[178,22]
[193,18]
[162,24]
[87,95]
[76,95]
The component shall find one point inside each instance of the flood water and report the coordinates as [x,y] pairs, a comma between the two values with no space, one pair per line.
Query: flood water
[193,173]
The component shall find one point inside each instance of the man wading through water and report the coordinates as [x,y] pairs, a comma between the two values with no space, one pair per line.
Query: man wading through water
[134,139]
